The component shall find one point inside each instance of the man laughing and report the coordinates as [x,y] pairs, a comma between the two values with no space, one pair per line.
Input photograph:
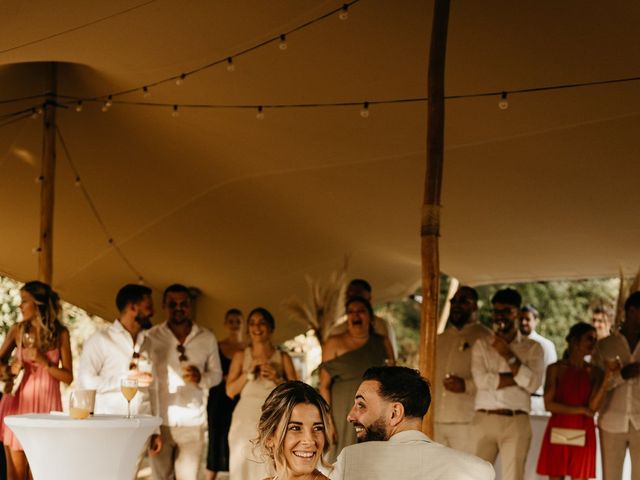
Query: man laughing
[387,416]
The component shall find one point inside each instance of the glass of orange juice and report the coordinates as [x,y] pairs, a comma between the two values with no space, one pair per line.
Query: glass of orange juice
[129,388]
[79,406]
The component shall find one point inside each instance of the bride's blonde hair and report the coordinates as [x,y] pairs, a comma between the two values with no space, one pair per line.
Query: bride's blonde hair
[275,417]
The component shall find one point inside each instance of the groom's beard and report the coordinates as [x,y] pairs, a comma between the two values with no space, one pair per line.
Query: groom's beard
[376,431]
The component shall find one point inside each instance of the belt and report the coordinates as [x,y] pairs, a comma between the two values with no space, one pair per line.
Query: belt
[503,411]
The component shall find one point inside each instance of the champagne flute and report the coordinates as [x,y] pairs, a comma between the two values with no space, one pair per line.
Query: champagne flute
[129,388]
[28,342]
[28,339]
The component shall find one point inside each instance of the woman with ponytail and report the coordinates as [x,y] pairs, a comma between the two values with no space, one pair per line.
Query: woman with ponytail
[43,352]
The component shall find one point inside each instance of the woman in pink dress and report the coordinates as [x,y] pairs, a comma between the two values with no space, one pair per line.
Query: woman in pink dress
[573,391]
[43,350]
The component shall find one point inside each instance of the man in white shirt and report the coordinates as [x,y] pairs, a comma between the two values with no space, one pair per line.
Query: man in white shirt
[387,415]
[619,419]
[361,288]
[112,354]
[186,365]
[118,352]
[507,368]
[455,390]
[529,318]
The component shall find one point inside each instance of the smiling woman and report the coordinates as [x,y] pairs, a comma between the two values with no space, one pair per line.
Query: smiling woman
[253,374]
[295,431]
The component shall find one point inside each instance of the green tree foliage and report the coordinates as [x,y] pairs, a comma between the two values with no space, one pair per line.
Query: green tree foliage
[561,304]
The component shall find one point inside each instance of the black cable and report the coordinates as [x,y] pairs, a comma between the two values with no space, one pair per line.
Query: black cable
[79,27]
[110,240]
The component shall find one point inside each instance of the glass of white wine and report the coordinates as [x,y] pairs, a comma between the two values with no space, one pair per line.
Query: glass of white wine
[129,388]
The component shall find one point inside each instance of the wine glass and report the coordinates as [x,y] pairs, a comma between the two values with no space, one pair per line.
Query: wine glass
[28,343]
[28,339]
[129,388]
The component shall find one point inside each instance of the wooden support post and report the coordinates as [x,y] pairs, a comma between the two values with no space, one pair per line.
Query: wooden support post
[430,228]
[48,179]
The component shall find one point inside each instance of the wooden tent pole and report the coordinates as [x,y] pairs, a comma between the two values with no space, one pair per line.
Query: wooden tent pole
[430,228]
[48,178]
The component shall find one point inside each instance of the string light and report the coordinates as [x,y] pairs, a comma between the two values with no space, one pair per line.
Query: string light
[107,104]
[146,93]
[34,113]
[283,42]
[230,66]
[175,113]
[344,12]
[79,106]
[364,113]
[39,179]
[503,104]
[180,79]
[260,114]
[36,250]
[77,181]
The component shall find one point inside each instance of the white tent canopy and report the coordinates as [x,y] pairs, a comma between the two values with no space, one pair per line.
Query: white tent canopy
[244,208]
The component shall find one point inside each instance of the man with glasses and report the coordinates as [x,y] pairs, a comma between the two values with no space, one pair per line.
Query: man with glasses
[507,368]
[185,357]
[456,391]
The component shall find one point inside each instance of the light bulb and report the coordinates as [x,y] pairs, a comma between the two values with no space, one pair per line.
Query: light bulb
[180,79]
[260,114]
[175,112]
[344,12]
[77,181]
[146,93]
[36,250]
[105,107]
[34,113]
[79,106]
[109,101]
[364,113]
[283,42]
[503,104]
[230,66]
[39,179]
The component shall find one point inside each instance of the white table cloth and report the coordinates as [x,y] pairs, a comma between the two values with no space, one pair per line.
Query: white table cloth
[102,447]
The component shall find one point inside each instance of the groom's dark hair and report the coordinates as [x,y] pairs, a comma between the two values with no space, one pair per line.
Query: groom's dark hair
[403,385]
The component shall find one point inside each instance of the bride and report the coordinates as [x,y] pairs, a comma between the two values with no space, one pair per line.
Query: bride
[295,432]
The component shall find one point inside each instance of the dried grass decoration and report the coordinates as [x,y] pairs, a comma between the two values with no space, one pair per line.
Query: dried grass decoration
[325,306]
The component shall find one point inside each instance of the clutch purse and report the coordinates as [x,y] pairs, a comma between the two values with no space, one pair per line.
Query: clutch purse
[575,437]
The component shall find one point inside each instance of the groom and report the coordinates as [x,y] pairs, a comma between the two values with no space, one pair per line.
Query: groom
[387,415]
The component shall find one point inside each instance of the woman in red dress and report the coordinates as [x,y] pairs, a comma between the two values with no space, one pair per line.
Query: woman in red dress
[572,393]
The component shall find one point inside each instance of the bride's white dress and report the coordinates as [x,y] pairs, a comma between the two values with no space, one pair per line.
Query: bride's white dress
[245,461]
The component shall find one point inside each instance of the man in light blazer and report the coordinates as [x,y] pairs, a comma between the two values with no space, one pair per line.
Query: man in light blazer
[387,416]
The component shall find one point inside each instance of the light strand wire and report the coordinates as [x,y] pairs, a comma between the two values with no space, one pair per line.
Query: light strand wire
[78,27]
[110,240]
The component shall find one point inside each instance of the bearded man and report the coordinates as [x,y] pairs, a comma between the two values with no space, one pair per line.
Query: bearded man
[455,392]
[387,415]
